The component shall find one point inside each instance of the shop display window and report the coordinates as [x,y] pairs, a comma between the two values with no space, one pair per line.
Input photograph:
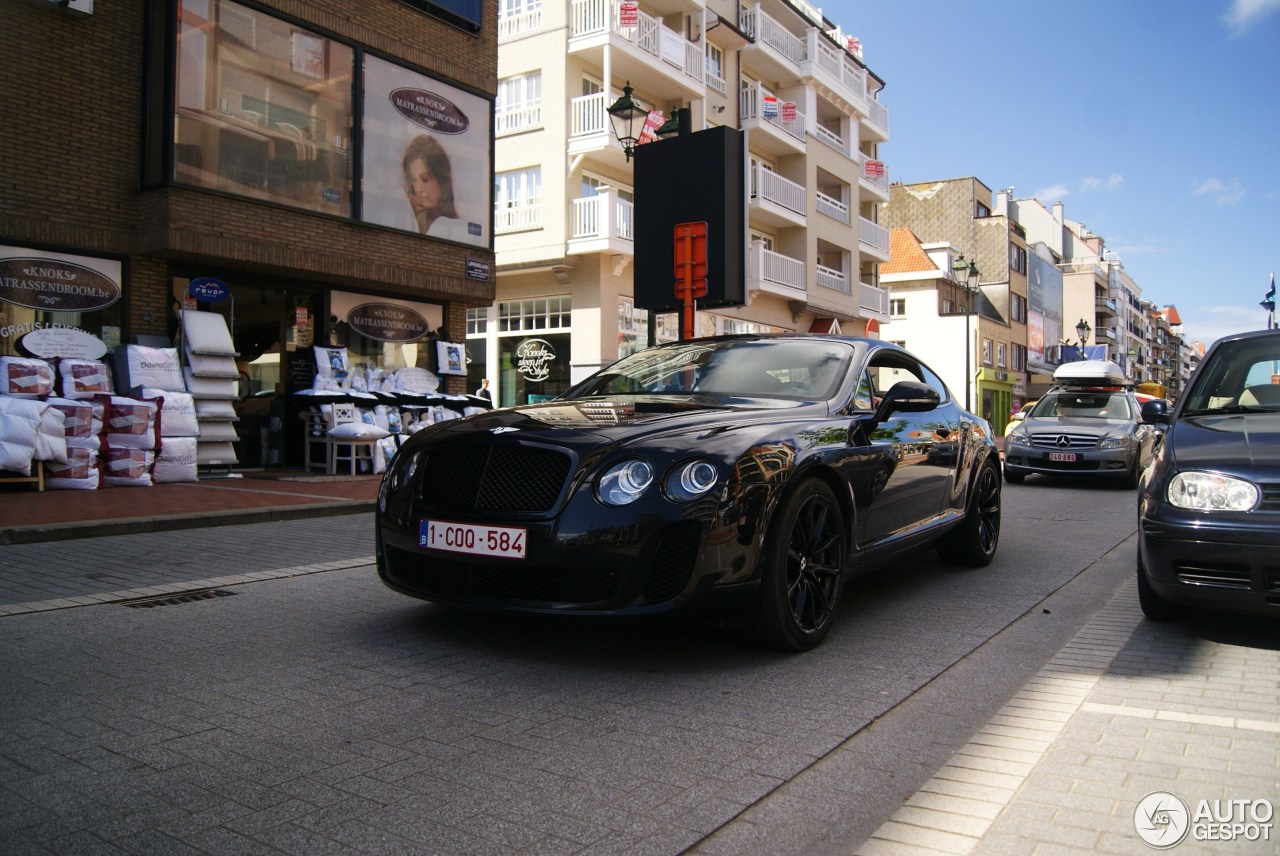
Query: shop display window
[262,107]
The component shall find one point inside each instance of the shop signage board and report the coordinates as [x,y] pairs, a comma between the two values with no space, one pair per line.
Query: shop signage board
[206,289]
[68,342]
[387,322]
[57,282]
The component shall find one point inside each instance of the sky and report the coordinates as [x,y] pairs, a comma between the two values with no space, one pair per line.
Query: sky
[1156,123]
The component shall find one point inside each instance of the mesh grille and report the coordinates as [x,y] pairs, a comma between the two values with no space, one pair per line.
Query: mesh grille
[494,478]
[431,576]
[673,563]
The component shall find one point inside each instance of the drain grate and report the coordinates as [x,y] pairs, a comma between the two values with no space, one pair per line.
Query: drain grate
[172,599]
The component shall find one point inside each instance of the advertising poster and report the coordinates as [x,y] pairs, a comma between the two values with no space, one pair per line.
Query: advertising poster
[427,161]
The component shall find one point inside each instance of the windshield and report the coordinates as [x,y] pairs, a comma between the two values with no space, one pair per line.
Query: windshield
[1087,404]
[1239,374]
[747,368]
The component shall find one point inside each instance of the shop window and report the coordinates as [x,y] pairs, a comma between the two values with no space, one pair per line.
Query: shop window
[262,108]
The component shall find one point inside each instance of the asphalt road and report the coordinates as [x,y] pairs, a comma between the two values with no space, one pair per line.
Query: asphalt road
[319,712]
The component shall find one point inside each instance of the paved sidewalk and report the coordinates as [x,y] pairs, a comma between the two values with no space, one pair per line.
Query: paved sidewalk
[1127,709]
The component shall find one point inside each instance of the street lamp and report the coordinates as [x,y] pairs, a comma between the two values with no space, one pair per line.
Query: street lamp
[627,116]
[966,275]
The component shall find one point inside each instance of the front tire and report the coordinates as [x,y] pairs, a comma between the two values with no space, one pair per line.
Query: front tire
[1154,607]
[803,564]
[973,543]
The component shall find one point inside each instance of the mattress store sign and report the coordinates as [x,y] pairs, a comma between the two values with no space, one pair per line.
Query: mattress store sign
[533,359]
[387,322]
[57,283]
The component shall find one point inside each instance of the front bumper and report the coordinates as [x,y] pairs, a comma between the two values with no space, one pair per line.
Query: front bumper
[1199,562]
[1114,463]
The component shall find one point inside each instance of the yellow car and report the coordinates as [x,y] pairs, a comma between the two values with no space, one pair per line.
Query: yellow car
[1019,416]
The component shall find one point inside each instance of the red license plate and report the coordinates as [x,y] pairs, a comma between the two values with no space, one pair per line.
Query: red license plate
[1062,456]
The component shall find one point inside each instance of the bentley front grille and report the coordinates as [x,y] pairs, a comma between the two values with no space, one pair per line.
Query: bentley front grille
[494,478]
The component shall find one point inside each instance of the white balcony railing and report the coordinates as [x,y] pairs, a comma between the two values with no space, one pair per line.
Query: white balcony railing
[831,138]
[602,216]
[873,298]
[832,278]
[783,41]
[597,17]
[751,104]
[716,82]
[873,235]
[587,115]
[832,207]
[782,191]
[517,218]
[837,67]
[771,267]
[514,26]
[524,118]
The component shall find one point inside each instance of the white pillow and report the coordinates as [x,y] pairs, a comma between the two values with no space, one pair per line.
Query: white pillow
[414,379]
[358,431]
[25,378]
[84,378]
[206,366]
[206,333]
[154,367]
[178,413]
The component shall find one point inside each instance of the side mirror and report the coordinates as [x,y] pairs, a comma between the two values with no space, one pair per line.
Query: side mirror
[1156,411]
[907,396]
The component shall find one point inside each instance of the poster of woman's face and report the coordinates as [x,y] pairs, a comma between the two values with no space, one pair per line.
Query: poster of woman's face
[426,155]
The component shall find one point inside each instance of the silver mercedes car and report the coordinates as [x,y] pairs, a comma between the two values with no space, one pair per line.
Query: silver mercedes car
[1088,425]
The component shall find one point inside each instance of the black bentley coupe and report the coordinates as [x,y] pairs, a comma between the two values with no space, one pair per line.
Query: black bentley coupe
[741,474]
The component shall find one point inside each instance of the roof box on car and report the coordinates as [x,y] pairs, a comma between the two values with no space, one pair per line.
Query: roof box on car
[1089,373]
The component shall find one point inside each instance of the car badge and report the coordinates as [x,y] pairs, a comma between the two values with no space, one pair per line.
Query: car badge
[1063,441]
[502,429]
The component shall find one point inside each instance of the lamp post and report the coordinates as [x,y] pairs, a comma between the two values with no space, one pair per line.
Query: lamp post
[1082,331]
[966,275]
[627,116]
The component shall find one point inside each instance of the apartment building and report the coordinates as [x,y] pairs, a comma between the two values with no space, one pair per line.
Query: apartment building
[957,214]
[790,80]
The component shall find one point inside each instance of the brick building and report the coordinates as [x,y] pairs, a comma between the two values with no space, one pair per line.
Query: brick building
[265,145]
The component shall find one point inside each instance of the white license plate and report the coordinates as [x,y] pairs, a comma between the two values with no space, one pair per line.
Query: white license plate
[504,541]
[1062,456]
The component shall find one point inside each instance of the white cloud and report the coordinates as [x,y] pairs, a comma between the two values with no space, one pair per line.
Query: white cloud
[1209,323]
[1052,193]
[1223,192]
[1243,14]
[1111,182]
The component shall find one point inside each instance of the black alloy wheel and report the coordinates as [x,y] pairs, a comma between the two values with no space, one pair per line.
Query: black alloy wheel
[973,543]
[804,559]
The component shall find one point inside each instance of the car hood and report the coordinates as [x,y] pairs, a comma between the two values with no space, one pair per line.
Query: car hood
[1225,441]
[625,418]
[1076,424]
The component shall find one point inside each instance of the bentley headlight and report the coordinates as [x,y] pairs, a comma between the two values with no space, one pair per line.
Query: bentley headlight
[399,473]
[625,482]
[691,480]
[1115,442]
[1018,438]
[1212,492]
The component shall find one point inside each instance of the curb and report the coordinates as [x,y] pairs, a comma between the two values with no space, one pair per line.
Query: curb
[169,522]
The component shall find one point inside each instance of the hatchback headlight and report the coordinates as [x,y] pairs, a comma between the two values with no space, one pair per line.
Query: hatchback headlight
[1212,492]
[691,480]
[1115,442]
[625,482]
[1018,438]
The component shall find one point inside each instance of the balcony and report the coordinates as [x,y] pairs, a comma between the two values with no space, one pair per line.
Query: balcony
[873,301]
[516,121]
[774,273]
[873,239]
[601,224]
[590,131]
[519,217]
[877,185]
[832,207]
[1105,306]
[671,67]
[769,133]
[515,26]
[833,279]
[780,202]
[776,53]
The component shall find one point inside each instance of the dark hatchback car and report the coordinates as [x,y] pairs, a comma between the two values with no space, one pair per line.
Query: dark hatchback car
[1209,508]
[735,475]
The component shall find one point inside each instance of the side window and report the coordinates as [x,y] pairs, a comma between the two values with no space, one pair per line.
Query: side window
[889,367]
[865,397]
